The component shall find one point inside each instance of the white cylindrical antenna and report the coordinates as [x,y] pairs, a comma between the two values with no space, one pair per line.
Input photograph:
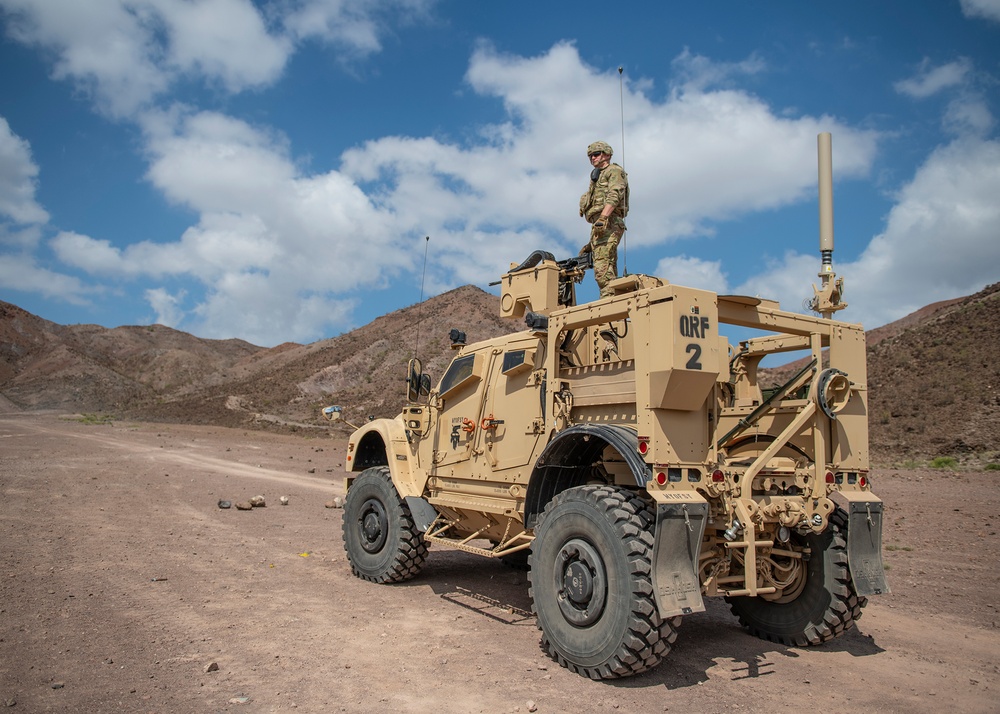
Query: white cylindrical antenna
[829,297]
[824,145]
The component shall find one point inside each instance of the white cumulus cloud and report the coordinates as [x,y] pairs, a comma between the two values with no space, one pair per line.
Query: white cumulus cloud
[986,9]
[941,240]
[18,179]
[930,80]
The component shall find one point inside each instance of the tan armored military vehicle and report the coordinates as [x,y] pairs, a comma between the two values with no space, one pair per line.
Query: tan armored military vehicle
[629,449]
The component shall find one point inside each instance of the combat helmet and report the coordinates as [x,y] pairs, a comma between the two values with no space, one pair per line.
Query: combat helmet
[599,146]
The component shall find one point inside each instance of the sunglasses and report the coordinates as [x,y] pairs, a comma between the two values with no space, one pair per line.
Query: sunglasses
[596,153]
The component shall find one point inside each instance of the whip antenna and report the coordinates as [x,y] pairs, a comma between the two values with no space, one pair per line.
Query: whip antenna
[420,312]
[621,104]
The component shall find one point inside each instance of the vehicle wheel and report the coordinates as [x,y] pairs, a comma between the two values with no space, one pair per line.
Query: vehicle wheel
[382,543]
[826,605]
[515,561]
[591,587]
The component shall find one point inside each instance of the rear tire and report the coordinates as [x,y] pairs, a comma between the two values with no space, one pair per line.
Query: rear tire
[590,584]
[827,605]
[382,543]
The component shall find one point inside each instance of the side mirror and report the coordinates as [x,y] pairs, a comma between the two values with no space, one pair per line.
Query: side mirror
[415,380]
[333,413]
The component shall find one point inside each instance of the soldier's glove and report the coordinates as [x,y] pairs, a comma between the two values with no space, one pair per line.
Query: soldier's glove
[585,249]
[601,223]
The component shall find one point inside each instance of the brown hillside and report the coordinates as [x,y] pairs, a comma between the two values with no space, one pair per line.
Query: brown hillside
[91,368]
[935,386]
[362,370]
[933,376]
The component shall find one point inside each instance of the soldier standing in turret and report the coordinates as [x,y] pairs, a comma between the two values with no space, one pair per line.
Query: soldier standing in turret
[604,206]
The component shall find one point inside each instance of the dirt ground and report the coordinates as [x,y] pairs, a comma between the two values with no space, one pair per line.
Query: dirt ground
[122,583]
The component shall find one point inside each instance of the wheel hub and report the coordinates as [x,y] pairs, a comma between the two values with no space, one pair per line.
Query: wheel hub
[578,583]
[374,526]
[581,582]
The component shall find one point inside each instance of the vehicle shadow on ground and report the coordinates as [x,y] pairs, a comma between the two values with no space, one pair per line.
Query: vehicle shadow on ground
[484,586]
[714,641]
[708,641]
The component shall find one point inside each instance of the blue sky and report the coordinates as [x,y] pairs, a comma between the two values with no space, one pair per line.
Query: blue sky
[269,170]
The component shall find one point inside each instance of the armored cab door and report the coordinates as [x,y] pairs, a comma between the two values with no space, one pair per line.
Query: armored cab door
[513,419]
[461,393]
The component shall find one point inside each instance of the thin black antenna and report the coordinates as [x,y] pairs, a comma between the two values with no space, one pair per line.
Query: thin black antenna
[420,312]
[621,103]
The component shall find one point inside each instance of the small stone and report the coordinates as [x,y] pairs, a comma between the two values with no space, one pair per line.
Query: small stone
[243,506]
[312,471]
[58,685]
[283,500]
[212,667]
[239,700]
[532,707]
[336,502]
[10,702]
[225,504]
[257,502]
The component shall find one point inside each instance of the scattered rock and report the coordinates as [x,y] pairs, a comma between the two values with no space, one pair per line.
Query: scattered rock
[532,707]
[243,506]
[10,702]
[225,504]
[58,685]
[212,667]
[239,700]
[283,500]
[312,471]
[336,502]
[257,502]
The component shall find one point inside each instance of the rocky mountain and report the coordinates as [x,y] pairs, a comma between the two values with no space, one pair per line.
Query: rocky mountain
[934,376]
[160,374]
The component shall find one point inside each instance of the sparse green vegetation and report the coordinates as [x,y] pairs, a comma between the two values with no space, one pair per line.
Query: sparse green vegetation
[944,462]
[992,467]
[91,418]
[892,547]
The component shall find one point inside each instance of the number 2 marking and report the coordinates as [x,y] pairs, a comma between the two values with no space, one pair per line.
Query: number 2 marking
[694,350]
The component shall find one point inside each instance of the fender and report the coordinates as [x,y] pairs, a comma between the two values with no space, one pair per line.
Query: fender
[383,442]
[564,461]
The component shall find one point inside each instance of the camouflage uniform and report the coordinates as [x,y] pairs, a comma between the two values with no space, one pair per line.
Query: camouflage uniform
[608,186]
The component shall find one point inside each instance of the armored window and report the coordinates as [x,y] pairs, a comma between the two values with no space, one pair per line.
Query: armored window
[461,372]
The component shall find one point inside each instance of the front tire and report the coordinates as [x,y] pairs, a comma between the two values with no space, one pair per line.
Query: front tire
[827,604]
[382,543]
[591,587]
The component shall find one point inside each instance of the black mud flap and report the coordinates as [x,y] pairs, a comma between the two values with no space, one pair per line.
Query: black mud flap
[423,513]
[864,547]
[680,528]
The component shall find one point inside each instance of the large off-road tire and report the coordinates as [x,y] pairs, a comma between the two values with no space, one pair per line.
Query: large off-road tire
[591,587]
[826,605]
[382,543]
